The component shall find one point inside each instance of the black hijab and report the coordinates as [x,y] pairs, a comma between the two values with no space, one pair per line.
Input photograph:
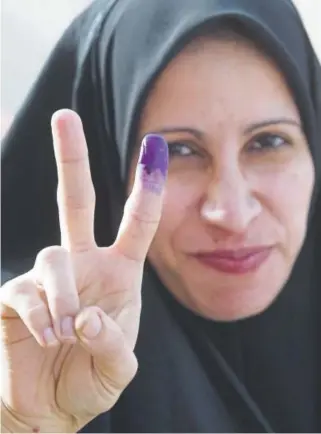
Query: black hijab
[259,374]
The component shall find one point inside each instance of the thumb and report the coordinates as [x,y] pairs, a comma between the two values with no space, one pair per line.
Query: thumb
[113,359]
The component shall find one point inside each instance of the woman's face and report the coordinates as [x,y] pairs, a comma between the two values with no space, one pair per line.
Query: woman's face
[240,179]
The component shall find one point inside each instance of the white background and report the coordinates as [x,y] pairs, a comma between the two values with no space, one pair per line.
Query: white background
[29,29]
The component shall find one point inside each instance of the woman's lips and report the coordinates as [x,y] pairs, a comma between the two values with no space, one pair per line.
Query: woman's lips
[239,261]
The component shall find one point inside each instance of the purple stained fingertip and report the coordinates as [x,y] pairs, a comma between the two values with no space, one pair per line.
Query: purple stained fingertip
[154,154]
[154,162]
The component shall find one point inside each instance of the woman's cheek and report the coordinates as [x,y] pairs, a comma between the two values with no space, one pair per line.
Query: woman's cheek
[182,194]
[285,196]
[181,200]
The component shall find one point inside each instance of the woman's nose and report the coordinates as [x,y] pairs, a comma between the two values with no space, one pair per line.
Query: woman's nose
[230,203]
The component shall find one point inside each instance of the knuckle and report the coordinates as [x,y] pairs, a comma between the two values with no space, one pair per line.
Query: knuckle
[36,315]
[145,218]
[141,214]
[79,199]
[59,296]
[51,256]
[64,298]
[76,203]
[21,285]
[21,295]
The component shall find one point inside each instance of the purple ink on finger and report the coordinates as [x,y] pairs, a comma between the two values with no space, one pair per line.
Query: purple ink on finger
[154,162]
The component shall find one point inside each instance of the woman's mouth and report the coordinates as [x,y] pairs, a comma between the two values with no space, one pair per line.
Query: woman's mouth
[238,261]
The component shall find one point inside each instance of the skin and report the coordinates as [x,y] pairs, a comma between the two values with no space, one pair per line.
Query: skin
[234,188]
[75,315]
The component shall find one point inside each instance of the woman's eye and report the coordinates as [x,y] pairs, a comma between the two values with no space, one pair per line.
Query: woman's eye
[266,142]
[180,149]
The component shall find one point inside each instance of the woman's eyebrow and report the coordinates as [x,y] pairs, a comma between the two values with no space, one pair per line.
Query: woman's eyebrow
[270,122]
[249,129]
[193,131]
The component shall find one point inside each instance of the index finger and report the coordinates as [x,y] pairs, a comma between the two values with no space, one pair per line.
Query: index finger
[75,195]
[143,208]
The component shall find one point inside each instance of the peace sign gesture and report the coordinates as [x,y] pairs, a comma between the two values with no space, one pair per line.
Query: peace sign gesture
[69,325]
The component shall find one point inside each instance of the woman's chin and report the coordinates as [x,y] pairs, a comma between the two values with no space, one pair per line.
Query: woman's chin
[230,297]
[239,308]
[232,302]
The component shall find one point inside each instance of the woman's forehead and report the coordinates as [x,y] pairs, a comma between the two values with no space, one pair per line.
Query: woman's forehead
[229,78]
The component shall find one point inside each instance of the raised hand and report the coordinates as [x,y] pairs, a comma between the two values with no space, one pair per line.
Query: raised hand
[69,326]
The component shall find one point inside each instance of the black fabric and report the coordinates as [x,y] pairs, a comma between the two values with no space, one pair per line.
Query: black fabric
[255,375]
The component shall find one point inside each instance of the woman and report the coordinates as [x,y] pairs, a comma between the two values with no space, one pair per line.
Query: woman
[229,330]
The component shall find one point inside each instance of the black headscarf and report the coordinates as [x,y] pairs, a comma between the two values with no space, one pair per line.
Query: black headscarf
[259,374]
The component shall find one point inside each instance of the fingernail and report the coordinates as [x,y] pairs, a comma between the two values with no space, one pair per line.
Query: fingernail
[50,337]
[90,326]
[154,162]
[67,327]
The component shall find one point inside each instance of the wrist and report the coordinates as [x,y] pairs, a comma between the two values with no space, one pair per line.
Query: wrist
[11,422]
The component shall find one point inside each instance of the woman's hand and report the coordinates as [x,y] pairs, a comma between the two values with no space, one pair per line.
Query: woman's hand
[69,326]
